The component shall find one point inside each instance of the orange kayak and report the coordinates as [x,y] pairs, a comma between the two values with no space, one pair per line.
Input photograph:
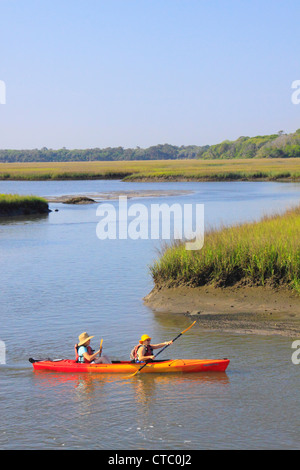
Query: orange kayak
[128,367]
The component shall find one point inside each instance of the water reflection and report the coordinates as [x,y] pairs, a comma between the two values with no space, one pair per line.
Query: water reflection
[24,219]
[145,387]
[176,322]
[83,383]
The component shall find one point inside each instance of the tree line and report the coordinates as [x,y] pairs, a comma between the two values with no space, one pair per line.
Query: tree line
[279,145]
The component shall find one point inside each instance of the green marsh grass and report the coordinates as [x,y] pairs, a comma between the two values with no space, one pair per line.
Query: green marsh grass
[270,169]
[12,203]
[266,252]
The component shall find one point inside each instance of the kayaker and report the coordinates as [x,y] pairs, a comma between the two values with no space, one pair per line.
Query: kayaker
[144,350]
[85,352]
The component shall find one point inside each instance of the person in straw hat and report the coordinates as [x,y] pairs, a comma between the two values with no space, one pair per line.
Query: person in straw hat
[144,350]
[85,352]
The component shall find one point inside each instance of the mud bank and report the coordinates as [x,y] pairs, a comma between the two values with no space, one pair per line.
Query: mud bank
[249,310]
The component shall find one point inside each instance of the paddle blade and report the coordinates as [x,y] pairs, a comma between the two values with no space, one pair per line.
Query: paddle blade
[138,370]
[184,331]
[132,375]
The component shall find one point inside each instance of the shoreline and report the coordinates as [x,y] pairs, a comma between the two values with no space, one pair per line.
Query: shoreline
[243,310]
[133,178]
[207,179]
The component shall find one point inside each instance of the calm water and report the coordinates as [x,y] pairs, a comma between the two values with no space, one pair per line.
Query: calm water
[58,279]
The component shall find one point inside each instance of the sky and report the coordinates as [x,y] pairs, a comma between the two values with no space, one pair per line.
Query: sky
[128,73]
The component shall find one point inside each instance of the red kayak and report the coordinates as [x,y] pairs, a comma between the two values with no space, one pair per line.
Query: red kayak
[128,367]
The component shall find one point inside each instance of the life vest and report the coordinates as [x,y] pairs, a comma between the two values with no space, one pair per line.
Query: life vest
[134,352]
[78,358]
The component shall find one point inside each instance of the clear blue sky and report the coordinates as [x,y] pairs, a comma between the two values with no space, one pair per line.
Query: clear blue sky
[100,73]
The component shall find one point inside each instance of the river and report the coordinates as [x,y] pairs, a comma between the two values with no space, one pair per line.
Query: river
[59,279]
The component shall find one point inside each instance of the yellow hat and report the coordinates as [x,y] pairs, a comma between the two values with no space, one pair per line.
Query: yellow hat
[143,338]
[83,338]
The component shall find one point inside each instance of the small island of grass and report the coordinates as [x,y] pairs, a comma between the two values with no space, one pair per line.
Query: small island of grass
[78,200]
[12,205]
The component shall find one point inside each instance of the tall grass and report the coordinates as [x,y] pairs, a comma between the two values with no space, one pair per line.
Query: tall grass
[258,253]
[12,203]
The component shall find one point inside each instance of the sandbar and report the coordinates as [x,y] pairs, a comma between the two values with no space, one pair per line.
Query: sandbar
[112,195]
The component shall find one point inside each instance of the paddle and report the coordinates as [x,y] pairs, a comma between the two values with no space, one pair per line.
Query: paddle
[178,336]
[100,350]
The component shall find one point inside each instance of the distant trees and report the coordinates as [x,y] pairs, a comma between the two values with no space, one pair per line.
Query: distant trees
[284,146]
[157,152]
[279,145]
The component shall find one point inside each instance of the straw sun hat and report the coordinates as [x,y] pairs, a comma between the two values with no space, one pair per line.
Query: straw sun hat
[143,338]
[83,338]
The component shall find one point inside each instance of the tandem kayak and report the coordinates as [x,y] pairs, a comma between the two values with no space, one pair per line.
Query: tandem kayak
[127,367]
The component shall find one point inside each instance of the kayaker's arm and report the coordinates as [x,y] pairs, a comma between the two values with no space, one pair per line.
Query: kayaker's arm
[161,345]
[90,357]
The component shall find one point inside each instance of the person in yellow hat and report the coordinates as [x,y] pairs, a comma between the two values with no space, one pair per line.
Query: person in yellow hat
[144,350]
[85,354]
